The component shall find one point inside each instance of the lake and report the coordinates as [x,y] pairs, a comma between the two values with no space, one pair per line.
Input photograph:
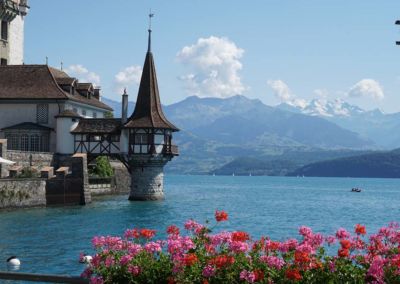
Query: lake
[49,240]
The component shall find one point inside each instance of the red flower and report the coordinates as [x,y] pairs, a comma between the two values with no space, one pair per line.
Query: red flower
[222,260]
[360,229]
[343,252]
[293,274]
[273,246]
[221,216]
[190,259]
[301,257]
[259,275]
[173,230]
[205,281]
[147,233]
[240,236]
[346,244]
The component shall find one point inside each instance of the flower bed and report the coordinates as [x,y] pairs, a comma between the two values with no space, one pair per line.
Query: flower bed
[234,257]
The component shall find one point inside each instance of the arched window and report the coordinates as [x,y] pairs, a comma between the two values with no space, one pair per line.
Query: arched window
[24,143]
[35,143]
[12,142]
[44,147]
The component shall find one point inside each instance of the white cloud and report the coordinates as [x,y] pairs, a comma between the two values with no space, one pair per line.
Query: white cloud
[284,94]
[214,65]
[127,77]
[83,74]
[367,88]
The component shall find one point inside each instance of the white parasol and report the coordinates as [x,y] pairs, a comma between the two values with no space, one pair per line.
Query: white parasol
[6,162]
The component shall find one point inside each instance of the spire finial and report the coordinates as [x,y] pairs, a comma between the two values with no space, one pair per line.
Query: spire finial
[125,93]
[151,15]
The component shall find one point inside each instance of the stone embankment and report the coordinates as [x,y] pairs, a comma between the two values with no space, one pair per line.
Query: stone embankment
[16,193]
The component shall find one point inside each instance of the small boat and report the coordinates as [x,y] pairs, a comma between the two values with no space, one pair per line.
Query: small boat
[356,189]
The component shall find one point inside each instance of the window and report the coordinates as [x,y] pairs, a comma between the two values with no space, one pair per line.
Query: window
[42,114]
[3,62]
[12,142]
[141,139]
[44,147]
[75,110]
[35,143]
[4,30]
[84,112]
[94,114]
[24,142]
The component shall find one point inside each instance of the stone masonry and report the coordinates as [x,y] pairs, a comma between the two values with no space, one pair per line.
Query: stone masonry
[147,182]
[3,154]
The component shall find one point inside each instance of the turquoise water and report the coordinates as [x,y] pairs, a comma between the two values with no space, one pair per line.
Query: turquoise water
[49,240]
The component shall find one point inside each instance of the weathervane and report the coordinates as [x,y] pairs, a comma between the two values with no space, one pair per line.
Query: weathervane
[151,15]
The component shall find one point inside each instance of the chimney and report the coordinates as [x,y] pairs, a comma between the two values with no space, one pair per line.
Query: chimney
[96,93]
[124,107]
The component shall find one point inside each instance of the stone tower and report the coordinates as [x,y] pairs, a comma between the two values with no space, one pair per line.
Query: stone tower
[12,13]
[149,137]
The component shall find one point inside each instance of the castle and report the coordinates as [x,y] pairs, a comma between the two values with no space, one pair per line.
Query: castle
[43,109]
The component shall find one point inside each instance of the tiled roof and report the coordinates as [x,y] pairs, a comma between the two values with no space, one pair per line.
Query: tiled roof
[68,113]
[83,86]
[28,126]
[65,80]
[98,126]
[148,112]
[38,82]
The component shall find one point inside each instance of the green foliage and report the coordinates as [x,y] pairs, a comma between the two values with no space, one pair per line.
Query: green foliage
[28,172]
[108,114]
[103,167]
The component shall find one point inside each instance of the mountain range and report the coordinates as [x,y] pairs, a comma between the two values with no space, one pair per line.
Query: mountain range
[383,129]
[216,132]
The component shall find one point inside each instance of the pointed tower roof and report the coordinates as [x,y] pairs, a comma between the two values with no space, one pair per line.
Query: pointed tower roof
[148,111]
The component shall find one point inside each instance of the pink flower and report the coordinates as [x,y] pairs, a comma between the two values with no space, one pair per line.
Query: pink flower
[248,276]
[134,249]
[238,247]
[87,273]
[125,259]
[192,225]
[273,261]
[109,261]
[330,240]
[134,270]
[96,280]
[305,231]
[152,247]
[342,234]
[208,271]
[376,269]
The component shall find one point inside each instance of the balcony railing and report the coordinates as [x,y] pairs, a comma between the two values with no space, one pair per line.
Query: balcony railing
[171,150]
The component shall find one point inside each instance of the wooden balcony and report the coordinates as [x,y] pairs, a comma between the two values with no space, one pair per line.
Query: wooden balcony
[171,150]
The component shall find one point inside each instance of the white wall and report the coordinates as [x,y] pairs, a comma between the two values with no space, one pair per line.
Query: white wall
[88,109]
[65,140]
[12,114]
[16,41]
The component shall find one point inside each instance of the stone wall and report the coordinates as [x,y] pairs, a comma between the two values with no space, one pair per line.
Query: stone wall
[147,183]
[101,189]
[16,193]
[122,177]
[3,154]
[37,159]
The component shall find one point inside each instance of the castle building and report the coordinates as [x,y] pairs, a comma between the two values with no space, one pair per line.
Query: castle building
[12,13]
[43,109]
[31,98]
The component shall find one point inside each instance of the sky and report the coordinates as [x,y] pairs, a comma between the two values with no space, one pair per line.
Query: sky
[277,51]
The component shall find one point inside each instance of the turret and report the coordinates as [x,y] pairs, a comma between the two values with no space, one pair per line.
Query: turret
[150,137]
[12,13]
[67,121]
